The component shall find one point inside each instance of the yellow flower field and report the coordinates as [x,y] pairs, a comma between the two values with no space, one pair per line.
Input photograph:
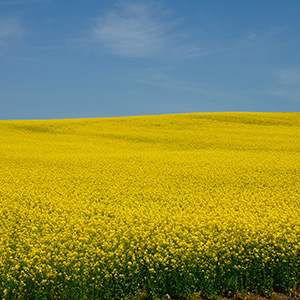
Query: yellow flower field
[171,204]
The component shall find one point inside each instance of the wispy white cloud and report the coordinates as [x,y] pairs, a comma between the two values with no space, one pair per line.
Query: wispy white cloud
[161,77]
[130,30]
[251,42]
[286,85]
[8,59]
[289,76]
[11,30]
[141,30]
[284,93]
[10,27]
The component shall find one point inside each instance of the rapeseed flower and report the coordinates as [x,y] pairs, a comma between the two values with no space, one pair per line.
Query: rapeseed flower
[170,204]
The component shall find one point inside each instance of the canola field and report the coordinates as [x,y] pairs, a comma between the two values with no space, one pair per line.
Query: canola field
[113,208]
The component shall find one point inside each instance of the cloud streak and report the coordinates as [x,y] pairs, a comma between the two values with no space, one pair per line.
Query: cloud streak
[130,30]
[286,85]
[160,77]
[135,29]
[9,27]
[290,76]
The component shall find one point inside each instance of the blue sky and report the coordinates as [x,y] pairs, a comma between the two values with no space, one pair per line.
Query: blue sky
[81,59]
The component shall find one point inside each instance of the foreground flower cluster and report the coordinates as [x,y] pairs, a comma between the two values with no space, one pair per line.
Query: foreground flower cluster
[173,204]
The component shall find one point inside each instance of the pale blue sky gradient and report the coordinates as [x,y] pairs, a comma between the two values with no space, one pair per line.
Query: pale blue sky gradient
[91,58]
